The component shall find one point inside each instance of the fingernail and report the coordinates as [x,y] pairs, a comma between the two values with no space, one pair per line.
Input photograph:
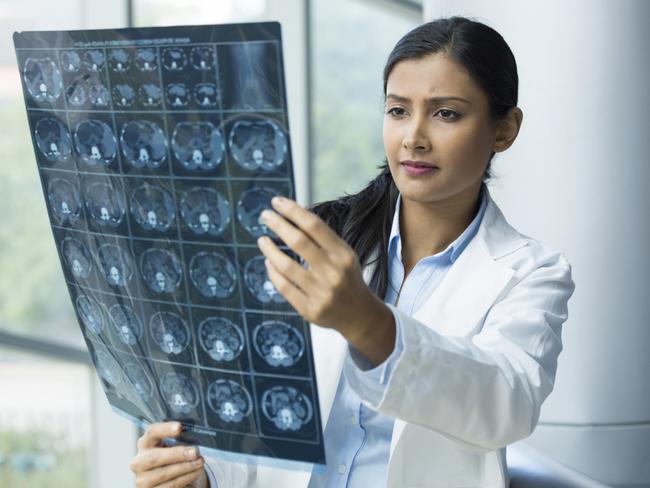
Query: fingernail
[261,241]
[197,462]
[278,201]
[177,428]
[266,214]
[190,453]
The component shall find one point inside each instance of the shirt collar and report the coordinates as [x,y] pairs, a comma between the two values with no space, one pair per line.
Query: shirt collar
[454,249]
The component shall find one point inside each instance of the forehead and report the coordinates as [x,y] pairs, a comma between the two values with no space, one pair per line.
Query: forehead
[433,75]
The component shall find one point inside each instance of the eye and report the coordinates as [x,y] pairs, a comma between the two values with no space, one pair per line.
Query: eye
[447,114]
[396,111]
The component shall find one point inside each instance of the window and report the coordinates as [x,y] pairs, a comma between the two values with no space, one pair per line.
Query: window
[33,298]
[171,12]
[44,421]
[351,41]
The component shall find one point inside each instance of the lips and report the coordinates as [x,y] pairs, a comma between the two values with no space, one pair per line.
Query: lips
[418,164]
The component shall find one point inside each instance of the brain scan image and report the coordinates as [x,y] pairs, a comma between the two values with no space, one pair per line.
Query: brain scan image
[127,324]
[123,95]
[93,60]
[116,264]
[152,208]
[202,57]
[95,142]
[98,94]
[105,205]
[177,95]
[221,339]
[90,313]
[146,59]
[64,201]
[278,343]
[249,208]
[161,270]
[180,392]
[82,90]
[205,211]
[286,407]
[198,145]
[141,383]
[205,95]
[170,332]
[258,144]
[143,144]
[76,93]
[258,282]
[76,257]
[70,61]
[107,367]
[150,95]
[173,59]
[42,79]
[53,139]
[119,60]
[229,400]
[213,274]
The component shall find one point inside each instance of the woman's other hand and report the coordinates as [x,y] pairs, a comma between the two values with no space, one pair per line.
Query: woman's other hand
[158,466]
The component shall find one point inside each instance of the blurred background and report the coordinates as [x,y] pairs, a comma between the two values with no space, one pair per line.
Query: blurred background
[575,180]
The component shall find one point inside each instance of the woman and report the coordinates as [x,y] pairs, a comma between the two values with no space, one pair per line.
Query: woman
[427,386]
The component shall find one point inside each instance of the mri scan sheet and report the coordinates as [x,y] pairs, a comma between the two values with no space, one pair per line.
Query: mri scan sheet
[157,149]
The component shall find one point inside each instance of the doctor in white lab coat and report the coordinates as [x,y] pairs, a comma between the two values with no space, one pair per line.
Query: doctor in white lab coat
[479,357]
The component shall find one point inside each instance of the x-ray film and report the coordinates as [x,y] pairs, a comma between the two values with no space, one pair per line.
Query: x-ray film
[158,149]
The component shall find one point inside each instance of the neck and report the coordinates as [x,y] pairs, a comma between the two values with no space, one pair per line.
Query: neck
[427,228]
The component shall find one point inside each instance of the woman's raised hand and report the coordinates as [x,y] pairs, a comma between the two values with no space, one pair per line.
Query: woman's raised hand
[330,290]
[158,466]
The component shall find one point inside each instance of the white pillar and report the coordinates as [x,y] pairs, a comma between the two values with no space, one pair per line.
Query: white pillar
[113,446]
[577,179]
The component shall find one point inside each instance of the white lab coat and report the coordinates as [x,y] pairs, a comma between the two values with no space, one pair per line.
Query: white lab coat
[479,359]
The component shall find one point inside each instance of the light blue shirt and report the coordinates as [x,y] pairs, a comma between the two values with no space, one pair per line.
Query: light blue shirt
[357,438]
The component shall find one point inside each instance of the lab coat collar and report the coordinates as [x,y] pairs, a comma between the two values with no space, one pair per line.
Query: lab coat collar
[453,250]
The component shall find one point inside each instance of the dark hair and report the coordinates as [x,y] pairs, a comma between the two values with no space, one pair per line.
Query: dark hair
[364,219]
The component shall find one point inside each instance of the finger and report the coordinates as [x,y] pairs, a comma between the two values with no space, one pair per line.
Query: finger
[184,481]
[172,473]
[293,237]
[162,456]
[158,431]
[285,265]
[308,222]
[288,290]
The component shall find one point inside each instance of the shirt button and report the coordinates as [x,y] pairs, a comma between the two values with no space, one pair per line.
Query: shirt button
[342,468]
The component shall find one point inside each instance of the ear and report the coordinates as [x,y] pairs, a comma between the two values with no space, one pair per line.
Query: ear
[508,129]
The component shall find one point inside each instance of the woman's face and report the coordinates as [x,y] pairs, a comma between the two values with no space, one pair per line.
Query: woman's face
[456,135]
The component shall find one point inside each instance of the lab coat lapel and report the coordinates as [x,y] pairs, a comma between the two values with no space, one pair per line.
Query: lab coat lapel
[470,286]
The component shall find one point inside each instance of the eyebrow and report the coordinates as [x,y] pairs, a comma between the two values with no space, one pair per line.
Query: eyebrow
[430,101]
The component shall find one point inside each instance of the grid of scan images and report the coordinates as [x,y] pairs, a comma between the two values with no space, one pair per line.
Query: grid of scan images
[158,149]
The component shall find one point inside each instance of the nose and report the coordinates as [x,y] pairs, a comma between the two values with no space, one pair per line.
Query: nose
[415,136]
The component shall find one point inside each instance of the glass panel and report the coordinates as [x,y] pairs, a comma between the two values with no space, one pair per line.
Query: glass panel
[191,12]
[33,296]
[348,91]
[44,422]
